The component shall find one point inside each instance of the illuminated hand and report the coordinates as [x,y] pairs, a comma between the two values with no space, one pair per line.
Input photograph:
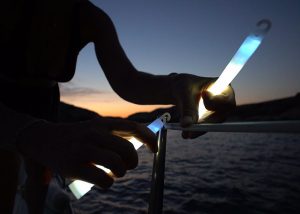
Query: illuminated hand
[73,149]
[187,90]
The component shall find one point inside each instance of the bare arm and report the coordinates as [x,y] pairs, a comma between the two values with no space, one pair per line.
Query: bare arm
[129,83]
[183,90]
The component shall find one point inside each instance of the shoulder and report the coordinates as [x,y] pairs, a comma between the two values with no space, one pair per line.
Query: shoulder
[92,13]
[94,21]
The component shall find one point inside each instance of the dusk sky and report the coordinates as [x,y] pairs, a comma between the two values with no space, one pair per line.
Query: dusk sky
[198,37]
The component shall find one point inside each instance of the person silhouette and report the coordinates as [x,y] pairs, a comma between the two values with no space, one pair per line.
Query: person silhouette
[40,42]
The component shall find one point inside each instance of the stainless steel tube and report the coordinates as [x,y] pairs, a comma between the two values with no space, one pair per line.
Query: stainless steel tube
[254,127]
[158,175]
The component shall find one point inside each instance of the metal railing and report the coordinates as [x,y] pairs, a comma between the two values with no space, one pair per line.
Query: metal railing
[158,171]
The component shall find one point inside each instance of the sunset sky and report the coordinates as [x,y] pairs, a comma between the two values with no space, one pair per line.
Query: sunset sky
[197,37]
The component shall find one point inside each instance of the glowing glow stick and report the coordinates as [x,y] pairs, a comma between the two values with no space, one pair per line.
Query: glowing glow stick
[80,188]
[246,50]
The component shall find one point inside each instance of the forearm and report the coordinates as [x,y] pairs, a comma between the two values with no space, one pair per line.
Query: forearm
[144,88]
[129,83]
[151,89]
[12,123]
[126,81]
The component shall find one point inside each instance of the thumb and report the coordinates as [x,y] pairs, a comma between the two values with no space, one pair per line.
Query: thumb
[188,107]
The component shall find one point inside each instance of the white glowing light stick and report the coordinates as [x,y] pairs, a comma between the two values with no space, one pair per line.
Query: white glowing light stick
[246,50]
[80,188]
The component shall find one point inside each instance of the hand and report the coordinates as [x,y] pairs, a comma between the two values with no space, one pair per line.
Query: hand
[187,90]
[73,149]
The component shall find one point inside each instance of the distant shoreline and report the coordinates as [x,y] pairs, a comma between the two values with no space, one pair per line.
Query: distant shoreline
[279,109]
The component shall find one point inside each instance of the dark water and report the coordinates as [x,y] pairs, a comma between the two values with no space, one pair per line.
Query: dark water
[217,173]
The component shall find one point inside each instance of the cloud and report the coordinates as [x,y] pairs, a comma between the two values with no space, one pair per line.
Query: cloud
[70,89]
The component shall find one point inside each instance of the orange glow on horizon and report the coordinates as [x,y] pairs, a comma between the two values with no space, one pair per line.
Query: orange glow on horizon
[114,106]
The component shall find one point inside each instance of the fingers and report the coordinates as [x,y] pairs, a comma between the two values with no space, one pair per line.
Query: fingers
[92,174]
[188,107]
[108,159]
[219,103]
[115,144]
[217,117]
[129,129]
[139,131]
[187,91]
[146,136]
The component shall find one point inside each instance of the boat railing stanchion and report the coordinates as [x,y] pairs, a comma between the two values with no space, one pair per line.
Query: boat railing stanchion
[158,175]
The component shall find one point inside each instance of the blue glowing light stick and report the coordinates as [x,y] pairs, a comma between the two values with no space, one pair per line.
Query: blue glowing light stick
[248,47]
[243,54]
[80,188]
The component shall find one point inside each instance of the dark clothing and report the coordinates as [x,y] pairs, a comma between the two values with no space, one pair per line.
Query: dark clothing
[39,44]
[39,39]
[38,47]
[41,103]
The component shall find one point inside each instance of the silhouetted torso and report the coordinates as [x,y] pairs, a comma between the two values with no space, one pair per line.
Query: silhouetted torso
[40,40]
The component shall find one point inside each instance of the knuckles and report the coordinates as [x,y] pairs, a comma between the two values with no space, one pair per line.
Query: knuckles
[133,162]
[107,183]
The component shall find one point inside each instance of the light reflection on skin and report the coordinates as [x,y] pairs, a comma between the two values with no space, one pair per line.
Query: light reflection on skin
[80,188]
